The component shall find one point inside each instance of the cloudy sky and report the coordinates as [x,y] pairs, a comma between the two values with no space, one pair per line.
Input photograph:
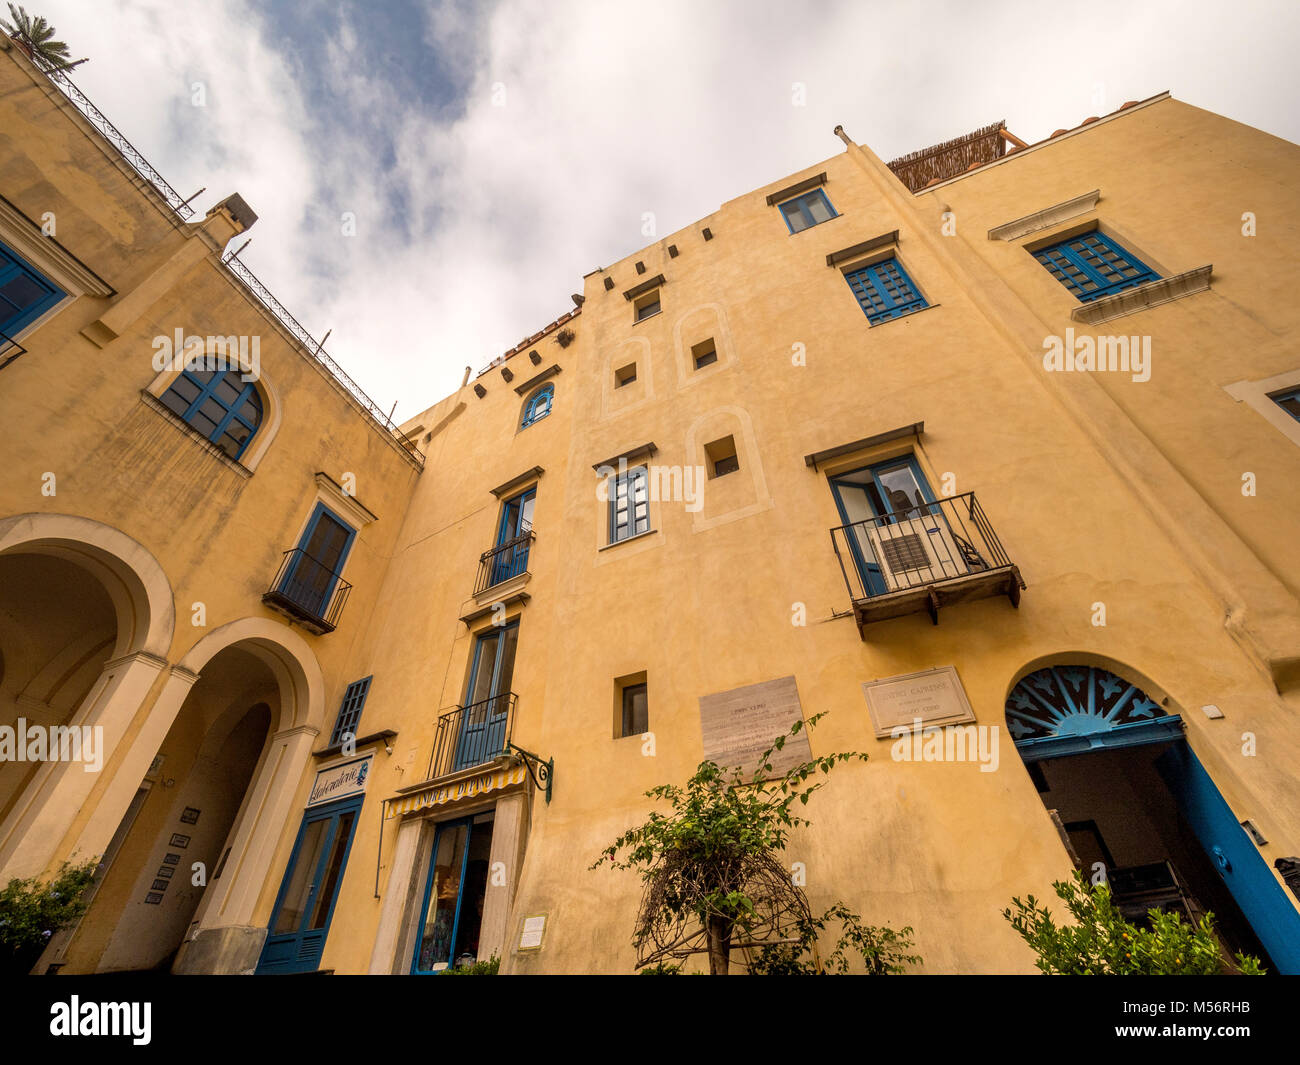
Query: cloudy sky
[492,153]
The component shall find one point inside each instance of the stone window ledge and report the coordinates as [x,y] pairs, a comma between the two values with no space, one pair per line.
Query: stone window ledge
[1151,294]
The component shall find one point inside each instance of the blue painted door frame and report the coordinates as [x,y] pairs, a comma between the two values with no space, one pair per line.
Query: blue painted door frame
[486,735]
[516,519]
[310,580]
[297,948]
[446,826]
[1234,856]
[868,569]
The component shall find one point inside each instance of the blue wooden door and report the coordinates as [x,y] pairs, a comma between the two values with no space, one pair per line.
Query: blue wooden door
[301,918]
[310,579]
[1236,858]
[888,491]
[516,523]
[487,701]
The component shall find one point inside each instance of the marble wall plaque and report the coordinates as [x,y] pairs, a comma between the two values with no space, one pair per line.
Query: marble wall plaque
[935,696]
[740,724]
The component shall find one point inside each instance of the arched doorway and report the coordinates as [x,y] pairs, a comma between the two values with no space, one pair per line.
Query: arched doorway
[86,619]
[1134,805]
[237,719]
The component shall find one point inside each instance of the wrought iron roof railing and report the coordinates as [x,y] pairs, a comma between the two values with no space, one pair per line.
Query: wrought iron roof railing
[242,273]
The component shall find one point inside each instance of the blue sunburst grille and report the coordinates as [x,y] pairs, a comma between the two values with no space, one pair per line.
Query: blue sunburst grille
[1075,701]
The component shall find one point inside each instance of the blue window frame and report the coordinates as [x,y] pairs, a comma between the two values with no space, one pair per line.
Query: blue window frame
[1092,265]
[317,563]
[1289,401]
[885,291]
[629,504]
[218,403]
[887,492]
[804,212]
[511,557]
[538,405]
[25,293]
[451,916]
[354,699]
[487,697]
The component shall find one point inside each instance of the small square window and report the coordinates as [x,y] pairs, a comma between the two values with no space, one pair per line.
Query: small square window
[633,706]
[625,375]
[722,458]
[705,353]
[1289,401]
[647,306]
[804,212]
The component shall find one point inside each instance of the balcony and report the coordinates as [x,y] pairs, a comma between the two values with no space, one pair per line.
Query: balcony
[308,591]
[503,563]
[472,735]
[918,560]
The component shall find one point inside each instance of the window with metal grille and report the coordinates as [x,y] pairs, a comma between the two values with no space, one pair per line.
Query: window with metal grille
[885,291]
[1092,265]
[221,405]
[629,504]
[350,710]
[806,211]
[1289,401]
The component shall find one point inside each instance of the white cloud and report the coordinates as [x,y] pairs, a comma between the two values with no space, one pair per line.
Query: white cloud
[612,110]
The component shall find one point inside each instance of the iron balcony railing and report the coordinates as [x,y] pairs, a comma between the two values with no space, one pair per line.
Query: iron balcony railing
[10,349]
[472,735]
[504,561]
[924,545]
[309,591]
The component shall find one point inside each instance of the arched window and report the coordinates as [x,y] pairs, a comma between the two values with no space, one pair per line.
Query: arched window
[219,404]
[538,405]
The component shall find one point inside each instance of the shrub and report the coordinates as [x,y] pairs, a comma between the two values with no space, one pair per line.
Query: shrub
[31,911]
[1103,943]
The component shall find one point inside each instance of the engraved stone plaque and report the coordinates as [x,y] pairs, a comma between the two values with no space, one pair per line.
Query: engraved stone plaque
[741,724]
[934,696]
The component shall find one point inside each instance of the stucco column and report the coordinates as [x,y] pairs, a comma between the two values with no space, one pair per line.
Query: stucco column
[509,831]
[226,939]
[32,835]
[397,892]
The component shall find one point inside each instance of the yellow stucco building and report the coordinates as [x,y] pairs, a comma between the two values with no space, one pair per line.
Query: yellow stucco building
[991,454]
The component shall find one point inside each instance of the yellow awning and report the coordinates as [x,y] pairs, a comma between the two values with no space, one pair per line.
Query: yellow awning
[458,791]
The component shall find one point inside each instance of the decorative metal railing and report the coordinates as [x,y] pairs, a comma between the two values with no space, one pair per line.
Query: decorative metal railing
[504,561]
[920,546]
[10,349]
[472,735]
[246,277]
[308,590]
[130,153]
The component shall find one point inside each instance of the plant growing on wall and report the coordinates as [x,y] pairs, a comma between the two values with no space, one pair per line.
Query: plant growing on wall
[37,38]
[32,910]
[714,880]
[1102,943]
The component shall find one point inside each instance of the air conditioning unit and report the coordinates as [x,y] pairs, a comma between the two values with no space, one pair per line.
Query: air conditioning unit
[916,552]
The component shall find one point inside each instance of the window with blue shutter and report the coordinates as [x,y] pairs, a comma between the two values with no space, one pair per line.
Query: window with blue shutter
[350,710]
[1092,265]
[629,504]
[25,293]
[885,291]
[804,212]
[221,405]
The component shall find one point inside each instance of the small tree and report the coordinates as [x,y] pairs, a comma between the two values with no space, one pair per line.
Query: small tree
[1102,943]
[37,36]
[712,875]
[31,911]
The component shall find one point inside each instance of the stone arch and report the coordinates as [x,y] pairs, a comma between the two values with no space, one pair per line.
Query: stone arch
[141,594]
